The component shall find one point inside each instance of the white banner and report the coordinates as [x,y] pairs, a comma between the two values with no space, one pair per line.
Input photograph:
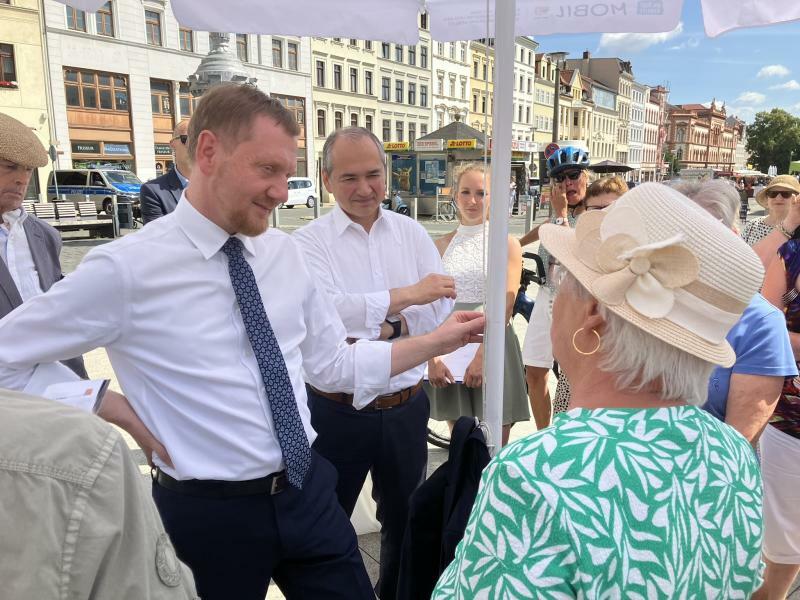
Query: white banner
[720,16]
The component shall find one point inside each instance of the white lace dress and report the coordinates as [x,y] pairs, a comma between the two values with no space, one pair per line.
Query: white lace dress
[464,260]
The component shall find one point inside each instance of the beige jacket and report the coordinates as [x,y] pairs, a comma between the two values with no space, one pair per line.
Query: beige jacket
[76,519]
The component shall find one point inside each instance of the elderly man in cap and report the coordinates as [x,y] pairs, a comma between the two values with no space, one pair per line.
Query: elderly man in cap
[29,247]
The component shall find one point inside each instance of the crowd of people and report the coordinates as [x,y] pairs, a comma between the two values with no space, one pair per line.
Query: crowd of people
[265,375]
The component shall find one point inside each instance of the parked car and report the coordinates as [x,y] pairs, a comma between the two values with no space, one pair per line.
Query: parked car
[100,184]
[301,191]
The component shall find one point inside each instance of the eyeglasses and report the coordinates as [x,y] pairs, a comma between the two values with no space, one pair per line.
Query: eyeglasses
[783,194]
[182,138]
[572,175]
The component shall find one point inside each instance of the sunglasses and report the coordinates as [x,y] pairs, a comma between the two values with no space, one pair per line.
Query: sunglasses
[776,193]
[182,138]
[572,176]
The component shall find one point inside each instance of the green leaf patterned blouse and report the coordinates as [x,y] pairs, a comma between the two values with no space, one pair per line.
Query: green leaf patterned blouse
[615,503]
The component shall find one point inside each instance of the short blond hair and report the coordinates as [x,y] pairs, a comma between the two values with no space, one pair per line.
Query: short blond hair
[607,185]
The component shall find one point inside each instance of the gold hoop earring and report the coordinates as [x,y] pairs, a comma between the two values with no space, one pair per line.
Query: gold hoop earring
[578,350]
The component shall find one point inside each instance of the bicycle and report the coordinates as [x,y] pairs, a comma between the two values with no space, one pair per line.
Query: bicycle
[439,431]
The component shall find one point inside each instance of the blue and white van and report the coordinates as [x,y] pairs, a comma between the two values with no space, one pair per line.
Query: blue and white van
[100,184]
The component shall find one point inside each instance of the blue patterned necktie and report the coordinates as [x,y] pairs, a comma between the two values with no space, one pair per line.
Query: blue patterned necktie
[288,425]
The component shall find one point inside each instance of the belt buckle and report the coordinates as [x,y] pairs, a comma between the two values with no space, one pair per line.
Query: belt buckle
[277,484]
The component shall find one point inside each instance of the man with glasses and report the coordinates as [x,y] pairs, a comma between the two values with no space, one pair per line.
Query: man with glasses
[567,169]
[160,196]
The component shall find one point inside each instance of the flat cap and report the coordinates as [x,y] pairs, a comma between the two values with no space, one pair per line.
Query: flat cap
[18,144]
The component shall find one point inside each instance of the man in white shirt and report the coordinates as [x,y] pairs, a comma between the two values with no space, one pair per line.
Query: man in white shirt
[209,320]
[29,247]
[384,275]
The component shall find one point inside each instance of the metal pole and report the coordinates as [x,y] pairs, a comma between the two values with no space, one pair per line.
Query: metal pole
[494,339]
[276,220]
[114,215]
[557,102]
[414,208]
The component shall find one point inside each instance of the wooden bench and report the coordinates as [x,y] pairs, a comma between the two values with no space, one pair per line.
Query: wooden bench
[64,217]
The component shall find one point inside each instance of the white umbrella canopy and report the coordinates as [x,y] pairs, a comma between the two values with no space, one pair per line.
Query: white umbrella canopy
[397,21]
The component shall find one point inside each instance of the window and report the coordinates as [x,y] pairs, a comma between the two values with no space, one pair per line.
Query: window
[8,72]
[412,132]
[368,45]
[521,83]
[423,20]
[241,46]
[387,130]
[412,94]
[354,80]
[412,55]
[463,90]
[385,86]
[440,48]
[292,52]
[440,85]
[337,40]
[385,50]
[483,105]
[96,91]
[423,57]
[452,50]
[484,72]
[368,83]
[187,101]
[104,18]
[321,123]
[186,39]
[354,42]
[337,120]
[76,19]
[368,122]
[527,114]
[337,77]
[519,114]
[277,53]
[398,91]
[398,52]
[475,70]
[529,85]
[474,102]
[160,97]
[423,95]
[423,130]
[463,52]
[398,129]
[320,73]
[152,24]
[522,55]
[353,120]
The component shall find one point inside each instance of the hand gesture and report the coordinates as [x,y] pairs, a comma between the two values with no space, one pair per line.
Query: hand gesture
[792,219]
[461,328]
[438,373]
[473,377]
[558,199]
[116,409]
[433,287]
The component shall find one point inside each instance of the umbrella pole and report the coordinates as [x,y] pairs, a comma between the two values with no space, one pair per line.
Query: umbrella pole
[493,365]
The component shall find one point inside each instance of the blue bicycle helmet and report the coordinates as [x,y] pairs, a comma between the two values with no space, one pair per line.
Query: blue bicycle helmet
[569,157]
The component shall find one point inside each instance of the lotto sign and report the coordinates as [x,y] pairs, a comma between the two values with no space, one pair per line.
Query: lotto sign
[458,144]
[395,145]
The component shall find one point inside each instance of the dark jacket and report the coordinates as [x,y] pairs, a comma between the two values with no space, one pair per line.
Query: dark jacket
[439,511]
[159,196]
[45,244]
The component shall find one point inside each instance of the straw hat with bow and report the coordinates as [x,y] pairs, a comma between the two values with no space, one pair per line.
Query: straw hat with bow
[781,183]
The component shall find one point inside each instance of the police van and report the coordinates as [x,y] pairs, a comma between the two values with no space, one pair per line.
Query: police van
[100,184]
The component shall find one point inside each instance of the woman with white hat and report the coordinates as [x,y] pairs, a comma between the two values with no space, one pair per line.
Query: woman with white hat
[636,491]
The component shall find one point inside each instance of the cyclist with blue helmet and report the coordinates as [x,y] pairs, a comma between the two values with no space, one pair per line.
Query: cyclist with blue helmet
[566,167]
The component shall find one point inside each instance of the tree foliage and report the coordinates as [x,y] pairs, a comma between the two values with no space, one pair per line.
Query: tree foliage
[773,137]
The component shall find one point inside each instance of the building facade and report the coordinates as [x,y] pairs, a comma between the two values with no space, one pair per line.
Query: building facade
[605,124]
[24,89]
[482,86]
[639,95]
[524,89]
[700,136]
[119,81]
[544,99]
[451,71]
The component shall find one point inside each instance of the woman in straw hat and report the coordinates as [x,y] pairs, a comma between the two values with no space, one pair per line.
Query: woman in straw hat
[776,206]
[636,492]
[786,189]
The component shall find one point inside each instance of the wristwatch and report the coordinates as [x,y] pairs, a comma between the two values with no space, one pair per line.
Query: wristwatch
[396,327]
[560,221]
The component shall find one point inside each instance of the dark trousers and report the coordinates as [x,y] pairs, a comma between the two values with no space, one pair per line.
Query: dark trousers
[390,444]
[300,538]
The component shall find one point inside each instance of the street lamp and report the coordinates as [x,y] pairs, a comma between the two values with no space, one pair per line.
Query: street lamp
[220,65]
[560,62]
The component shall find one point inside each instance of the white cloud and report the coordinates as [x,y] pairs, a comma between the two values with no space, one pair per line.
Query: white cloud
[636,42]
[792,84]
[751,98]
[692,42]
[746,113]
[795,110]
[773,71]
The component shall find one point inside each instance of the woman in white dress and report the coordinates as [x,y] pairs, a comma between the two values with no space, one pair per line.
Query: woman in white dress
[463,257]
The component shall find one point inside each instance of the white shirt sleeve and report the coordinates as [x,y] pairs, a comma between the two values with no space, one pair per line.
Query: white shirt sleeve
[361,313]
[81,312]
[362,369]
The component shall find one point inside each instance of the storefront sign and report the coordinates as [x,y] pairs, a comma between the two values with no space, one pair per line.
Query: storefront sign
[396,145]
[429,145]
[162,150]
[116,148]
[86,147]
[459,144]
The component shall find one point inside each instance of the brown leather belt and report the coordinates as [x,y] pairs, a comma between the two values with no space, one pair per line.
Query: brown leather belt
[380,403]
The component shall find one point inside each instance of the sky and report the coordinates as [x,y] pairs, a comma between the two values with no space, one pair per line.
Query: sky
[750,69]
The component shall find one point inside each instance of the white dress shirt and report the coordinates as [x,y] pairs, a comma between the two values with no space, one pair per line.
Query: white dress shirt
[161,302]
[358,269]
[16,253]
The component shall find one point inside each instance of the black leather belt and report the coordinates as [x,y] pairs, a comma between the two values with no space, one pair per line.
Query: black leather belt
[215,488]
